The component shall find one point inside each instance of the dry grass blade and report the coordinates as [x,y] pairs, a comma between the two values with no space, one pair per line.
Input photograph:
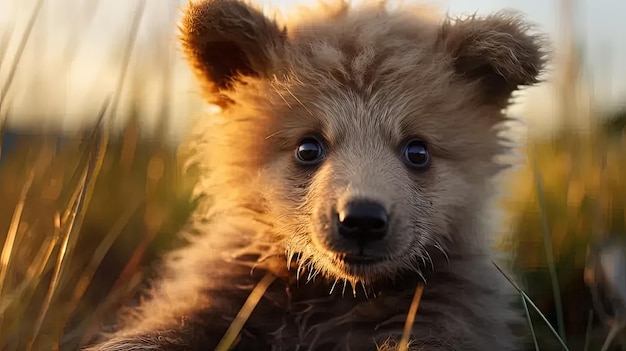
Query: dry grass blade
[152,222]
[20,51]
[4,42]
[7,249]
[615,329]
[607,269]
[530,301]
[410,318]
[135,259]
[166,94]
[92,169]
[33,274]
[97,131]
[244,313]
[588,330]
[71,224]
[100,252]
[128,50]
[89,324]
[56,276]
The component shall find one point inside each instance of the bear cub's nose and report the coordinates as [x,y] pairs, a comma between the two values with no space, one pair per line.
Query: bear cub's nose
[363,220]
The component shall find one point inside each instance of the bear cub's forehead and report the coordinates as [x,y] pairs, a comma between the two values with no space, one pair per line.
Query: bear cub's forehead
[371,74]
[362,49]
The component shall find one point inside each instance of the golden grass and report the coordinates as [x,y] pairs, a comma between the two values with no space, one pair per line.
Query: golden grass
[70,230]
[77,240]
[573,196]
[228,340]
[84,218]
[410,318]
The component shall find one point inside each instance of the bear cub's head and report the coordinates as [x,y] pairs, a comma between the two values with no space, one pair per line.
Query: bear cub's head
[368,134]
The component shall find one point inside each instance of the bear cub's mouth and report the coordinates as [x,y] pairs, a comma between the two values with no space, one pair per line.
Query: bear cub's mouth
[357,259]
[362,260]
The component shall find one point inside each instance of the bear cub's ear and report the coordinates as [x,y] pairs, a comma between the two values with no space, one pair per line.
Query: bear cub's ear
[223,39]
[497,52]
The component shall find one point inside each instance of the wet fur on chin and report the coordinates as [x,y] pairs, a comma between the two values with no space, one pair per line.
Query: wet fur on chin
[364,80]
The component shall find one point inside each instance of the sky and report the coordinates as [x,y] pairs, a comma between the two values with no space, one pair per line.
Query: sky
[52,89]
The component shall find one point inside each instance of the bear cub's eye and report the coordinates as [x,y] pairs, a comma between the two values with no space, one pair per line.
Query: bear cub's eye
[310,151]
[416,154]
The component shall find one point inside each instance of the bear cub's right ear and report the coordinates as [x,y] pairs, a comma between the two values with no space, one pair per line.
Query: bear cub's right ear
[224,39]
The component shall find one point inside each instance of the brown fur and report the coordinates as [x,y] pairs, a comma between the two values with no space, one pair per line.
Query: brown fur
[364,80]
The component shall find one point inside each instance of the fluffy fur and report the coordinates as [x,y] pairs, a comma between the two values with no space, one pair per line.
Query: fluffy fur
[364,80]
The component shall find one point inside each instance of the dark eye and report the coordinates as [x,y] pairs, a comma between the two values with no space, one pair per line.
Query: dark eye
[309,151]
[416,155]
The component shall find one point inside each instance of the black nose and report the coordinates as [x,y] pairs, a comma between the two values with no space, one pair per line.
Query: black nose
[363,221]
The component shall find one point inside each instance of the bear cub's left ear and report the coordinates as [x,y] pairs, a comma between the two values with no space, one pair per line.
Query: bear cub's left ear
[497,52]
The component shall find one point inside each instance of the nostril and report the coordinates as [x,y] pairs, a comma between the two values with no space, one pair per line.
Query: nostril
[363,220]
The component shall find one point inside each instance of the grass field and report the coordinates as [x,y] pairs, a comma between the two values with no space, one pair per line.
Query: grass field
[570,196]
[80,223]
[84,215]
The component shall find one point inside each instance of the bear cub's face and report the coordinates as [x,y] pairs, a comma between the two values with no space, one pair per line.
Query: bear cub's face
[373,133]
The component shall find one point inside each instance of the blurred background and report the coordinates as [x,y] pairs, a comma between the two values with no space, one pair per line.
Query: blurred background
[95,101]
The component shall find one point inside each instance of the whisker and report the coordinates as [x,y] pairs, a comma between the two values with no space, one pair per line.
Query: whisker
[282,97]
[312,274]
[289,258]
[364,290]
[274,134]
[333,286]
[300,266]
[298,100]
[430,259]
[422,276]
[440,248]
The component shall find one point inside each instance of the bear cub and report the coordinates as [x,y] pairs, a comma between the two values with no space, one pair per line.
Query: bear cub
[353,157]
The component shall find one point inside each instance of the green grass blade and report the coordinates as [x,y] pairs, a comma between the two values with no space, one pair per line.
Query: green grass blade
[530,323]
[530,301]
[547,241]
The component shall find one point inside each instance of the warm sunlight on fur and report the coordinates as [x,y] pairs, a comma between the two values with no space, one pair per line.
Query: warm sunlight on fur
[352,157]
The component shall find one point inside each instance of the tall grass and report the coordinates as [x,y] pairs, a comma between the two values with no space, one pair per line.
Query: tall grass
[82,214]
[577,188]
[80,242]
